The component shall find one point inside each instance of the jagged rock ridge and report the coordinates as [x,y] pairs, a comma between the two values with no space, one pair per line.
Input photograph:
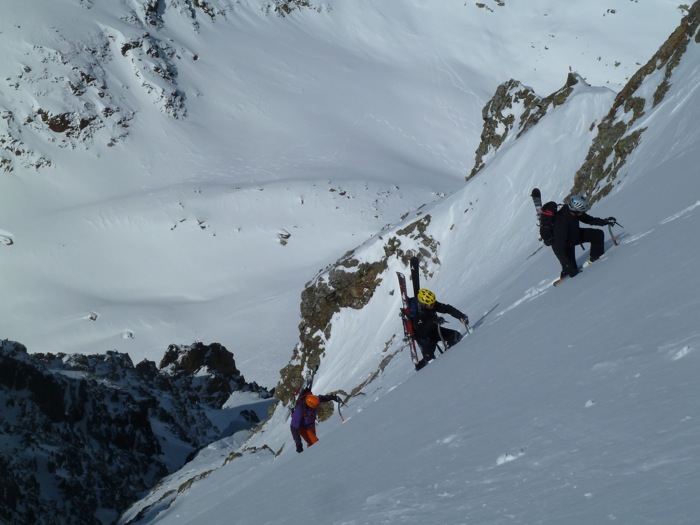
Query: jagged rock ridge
[513,110]
[619,132]
[84,436]
[349,283]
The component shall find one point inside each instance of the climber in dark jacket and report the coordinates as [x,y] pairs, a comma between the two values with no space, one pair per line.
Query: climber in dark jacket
[426,325]
[304,418]
[568,233]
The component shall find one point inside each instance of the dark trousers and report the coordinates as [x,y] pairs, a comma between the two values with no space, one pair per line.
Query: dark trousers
[567,255]
[428,346]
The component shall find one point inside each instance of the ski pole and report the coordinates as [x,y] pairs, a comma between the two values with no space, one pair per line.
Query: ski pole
[342,419]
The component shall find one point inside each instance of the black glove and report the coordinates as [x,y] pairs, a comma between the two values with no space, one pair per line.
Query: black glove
[440,320]
[337,399]
[612,221]
[464,320]
[300,448]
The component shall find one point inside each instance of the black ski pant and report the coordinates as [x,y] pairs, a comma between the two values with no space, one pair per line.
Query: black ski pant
[567,253]
[428,346]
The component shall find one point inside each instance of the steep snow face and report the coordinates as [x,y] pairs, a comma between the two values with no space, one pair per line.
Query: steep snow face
[154,152]
[566,405]
[623,128]
[477,223]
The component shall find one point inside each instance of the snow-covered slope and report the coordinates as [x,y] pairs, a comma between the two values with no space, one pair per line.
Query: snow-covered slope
[214,127]
[567,405]
[572,405]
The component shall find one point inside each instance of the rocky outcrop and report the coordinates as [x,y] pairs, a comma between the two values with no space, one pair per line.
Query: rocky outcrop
[72,93]
[83,436]
[83,111]
[619,133]
[285,7]
[516,108]
[513,110]
[14,152]
[183,364]
[349,283]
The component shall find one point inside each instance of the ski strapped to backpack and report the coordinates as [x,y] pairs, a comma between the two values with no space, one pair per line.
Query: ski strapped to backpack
[545,216]
[405,314]
[415,275]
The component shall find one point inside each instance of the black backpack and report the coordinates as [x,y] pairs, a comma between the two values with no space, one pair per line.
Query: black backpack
[546,216]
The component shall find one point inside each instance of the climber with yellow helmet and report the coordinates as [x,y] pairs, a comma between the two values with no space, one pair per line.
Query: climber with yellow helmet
[304,417]
[426,324]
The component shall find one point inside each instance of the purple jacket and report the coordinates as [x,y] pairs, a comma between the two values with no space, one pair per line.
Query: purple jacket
[303,416]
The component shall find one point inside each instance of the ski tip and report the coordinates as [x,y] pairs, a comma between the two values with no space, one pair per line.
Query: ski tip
[535,192]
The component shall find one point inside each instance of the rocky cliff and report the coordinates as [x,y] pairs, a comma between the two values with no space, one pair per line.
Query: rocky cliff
[620,131]
[515,108]
[84,436]
[349,283]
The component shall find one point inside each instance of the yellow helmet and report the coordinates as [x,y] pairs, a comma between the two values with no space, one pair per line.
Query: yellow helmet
[312,401]
[426,297]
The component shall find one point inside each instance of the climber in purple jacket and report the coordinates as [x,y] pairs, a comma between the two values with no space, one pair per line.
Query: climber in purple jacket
[304,418]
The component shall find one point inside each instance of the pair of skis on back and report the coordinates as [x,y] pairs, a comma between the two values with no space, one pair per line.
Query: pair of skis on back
[408,334]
